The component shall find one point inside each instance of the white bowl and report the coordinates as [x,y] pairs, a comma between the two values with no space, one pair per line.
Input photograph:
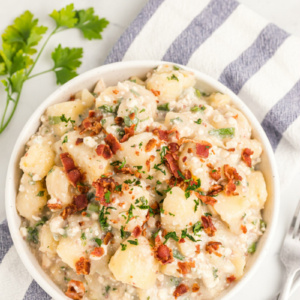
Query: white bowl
[112,74]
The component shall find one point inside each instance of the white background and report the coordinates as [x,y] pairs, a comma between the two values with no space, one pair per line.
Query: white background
[284,13]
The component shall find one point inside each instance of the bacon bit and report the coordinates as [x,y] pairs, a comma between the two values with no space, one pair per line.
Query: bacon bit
[102,186]
[172,165]
[163,254]
[72,171]
[212,247]
[158,224]
[197,249]
[164,232]
[190,150]
[195,288]
[215,174]
[231,149]
[113,143]
[129,132]
[137,231]
[83,189]
[83,266]
[230,279]
[81,223]
[162,134]
[215,190]
[208,225]
[69,210]
[72,98]
[181,241]
[119,120]
[173,147]
[246,156]
[132,116]
[79,141]
[75,290]
[54,206]
[108,237]
[231,174]
[156,93]
[98,251]
[149,161]
[202,150]
[83,213]
[207,199]
[184,159]
[91,123]
[150,145]
[104,150]
[244,229]
[180,290]
[80,202]
[185,267]
[236,116]
[157,240]
[116,92]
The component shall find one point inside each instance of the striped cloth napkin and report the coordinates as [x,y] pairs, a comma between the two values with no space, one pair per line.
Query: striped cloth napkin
[257,60]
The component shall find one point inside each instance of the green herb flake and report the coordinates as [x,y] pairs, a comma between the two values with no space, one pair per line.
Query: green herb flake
[135,242]
[199,121]
[123,247]
[163,107]
[171,235]
[65,140]
[178,255]
[40,194]
[173,77]
[98,241]
[252,248]
[223,132]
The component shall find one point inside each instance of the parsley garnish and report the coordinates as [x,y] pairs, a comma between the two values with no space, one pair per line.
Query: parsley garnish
[40,194]
[252,248]
[107,109]
[123,247]
[156,167]
[135,242]
[173,77]
[33,233]
[199,121]
[130,214]
[65,140]
[177,254]
[163,107]
[223,132]
[171,235]
[98,241]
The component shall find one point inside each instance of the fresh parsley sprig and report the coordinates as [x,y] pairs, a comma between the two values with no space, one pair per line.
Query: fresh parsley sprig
[19,54]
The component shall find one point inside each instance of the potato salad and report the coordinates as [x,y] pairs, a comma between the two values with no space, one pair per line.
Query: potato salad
[143,190]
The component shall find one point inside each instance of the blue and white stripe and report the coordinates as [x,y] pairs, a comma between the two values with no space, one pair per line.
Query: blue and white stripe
[257,60]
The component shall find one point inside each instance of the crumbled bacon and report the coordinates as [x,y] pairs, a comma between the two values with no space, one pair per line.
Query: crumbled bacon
[103,185]
[83,189]
[83,266]
[246,156]
[54,206]
[180,290]
[129,132]
[202,149]
[207,199]
[108,237]
[116,92]
[231,174]
[150,145]
[75,290]
[195,287]
[137,231]
[185,267]
[72,171]
[113,143]
[119,120]
[244,229]
[208,225]
[184,159]
[69,210]
[215,190]
[79,141]
[173,147]
[215,174]
[104,150]
[212,247]
[156,93]
[91,124]
[197,249]
[164,134]
[132,116]
[98,252]
[230,279]
[172,165]
[80,202]
[149,161]
[163,254]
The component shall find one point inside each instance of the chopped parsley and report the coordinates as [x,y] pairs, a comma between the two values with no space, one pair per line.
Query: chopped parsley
[175,68]
[195,109]
[252,248]
[119,163]
[135,242]
[123,247]
[65,140]
[106,108]
[83,237]
[176,120]
[197,227]
[40,194]
[262,225]
[107,196]
[163,107]
[223,132]
[198,93]
[156,167]
[199,121]
[173,77]
[177,254]
[143,201]
[98,241]
[150,177]
[215,273]
[171,235]
[184,234]
[33,233]
[130,214]
[93,207]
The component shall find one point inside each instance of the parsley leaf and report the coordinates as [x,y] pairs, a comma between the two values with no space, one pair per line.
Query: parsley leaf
[223,132]
[171,235]
[66,17]
[66,61]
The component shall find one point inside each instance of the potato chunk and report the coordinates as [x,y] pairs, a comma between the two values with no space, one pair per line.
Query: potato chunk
[39,159]
[58,186]
[47,242]
[31,198]
[135,265]
[179,212]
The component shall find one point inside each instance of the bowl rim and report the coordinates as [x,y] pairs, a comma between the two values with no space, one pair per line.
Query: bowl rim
[10,185]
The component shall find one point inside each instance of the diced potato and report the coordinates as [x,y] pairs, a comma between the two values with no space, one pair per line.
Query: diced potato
[100,86]
[86,158]
[179,212]
[169,82]
[257,190]
[135,265]
[170,269]
[219,100]
[107,102]
[58,186]
[47,242]
[239,262]
[38,160]
[71,109]
[70,249]
[31,198]
[86,97]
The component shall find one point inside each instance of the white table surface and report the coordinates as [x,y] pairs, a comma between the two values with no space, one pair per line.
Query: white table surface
[285,13]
